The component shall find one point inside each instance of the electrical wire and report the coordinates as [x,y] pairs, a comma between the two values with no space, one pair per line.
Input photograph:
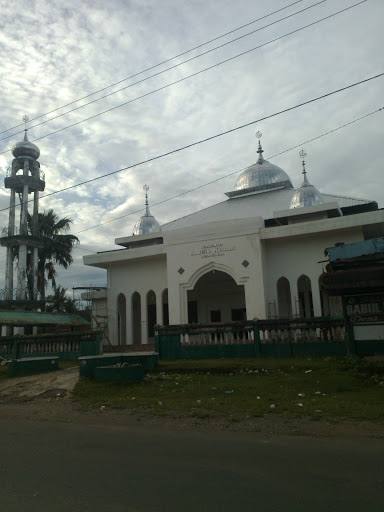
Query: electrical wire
[232,173]
[193,74]
[212,137]
[167,69]
[221,177]
[154,66]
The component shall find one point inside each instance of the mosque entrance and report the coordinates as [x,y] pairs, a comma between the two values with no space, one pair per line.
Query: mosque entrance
[216,298]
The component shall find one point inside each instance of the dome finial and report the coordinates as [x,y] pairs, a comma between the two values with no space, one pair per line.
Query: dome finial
[147,222]
[303,154]
[306,194]
[25,119]
[146,188]
[259,149]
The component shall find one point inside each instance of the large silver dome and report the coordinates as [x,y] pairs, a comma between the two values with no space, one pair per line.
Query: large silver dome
[147,222]
[306,195]
[263,174]
[26,148]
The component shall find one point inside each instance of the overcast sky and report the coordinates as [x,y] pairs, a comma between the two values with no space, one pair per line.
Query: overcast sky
[54,52]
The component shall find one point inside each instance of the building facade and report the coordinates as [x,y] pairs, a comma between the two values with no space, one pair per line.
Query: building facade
[258,254]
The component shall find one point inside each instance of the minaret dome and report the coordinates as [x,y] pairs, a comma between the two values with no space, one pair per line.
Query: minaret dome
[147,222]
[306,194]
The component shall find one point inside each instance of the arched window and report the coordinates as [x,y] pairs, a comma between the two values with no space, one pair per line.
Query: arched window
[284,298]
[151,313]
[164,299]
[136,318]
[304,291]
[324,299]
[121,320]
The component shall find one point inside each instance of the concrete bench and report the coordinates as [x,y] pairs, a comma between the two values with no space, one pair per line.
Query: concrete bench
[128,374]
[31,365]
[88,364]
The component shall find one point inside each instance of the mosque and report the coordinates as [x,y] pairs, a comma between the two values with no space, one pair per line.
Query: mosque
[257,254]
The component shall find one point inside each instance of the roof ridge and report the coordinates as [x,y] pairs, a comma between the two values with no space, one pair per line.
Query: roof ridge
[349,197]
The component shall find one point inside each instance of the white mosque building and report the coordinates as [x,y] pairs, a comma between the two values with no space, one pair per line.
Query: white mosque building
[257,254]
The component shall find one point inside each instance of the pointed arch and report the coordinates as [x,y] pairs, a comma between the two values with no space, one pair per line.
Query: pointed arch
[215,297]
[151,313]
[304,292]
[284,303]
[213,265]
[136,318]
[324,299]
[164,301]
[121,319]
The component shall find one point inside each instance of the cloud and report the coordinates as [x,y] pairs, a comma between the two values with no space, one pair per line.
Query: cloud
[54,53]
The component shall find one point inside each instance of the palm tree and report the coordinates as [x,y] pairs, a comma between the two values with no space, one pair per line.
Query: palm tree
[59,302]
[57,249]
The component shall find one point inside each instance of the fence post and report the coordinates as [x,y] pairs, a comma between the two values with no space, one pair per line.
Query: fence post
[256,332]
[15,351]
[157,342]
[350,342]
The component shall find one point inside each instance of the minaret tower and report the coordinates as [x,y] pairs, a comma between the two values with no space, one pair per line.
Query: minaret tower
[23,178]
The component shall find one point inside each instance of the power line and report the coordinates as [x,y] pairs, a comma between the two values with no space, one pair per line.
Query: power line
[221,177]
[201,141]
[234,172]
[155,66]
[193,74]
[165,70]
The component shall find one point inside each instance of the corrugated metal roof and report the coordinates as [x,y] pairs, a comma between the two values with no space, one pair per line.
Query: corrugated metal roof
[254,205]
[356,249]
[33,318]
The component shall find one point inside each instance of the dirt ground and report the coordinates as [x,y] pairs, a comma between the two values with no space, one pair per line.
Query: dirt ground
[48,397]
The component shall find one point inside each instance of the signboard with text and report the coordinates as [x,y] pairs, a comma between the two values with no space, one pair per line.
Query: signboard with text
[364,308]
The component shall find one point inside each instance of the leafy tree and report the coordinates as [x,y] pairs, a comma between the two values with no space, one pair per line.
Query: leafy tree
[59,302]
[57,249]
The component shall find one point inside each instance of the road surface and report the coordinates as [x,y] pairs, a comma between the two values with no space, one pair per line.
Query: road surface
[57,466]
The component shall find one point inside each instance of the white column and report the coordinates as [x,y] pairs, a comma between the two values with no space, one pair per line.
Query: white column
[24,211]
[35,261]
[9,275]
[21,273]
[144,319]
[9,263]
[255,300]
[316,297]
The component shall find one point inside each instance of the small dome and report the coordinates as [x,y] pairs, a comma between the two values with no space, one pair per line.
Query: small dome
[306,195]
[262,174]
[147,222]
[26,149]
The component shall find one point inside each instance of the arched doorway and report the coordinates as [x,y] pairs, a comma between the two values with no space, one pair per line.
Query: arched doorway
[216,297]
[304,290]
[151,313]
[136,318]
[284,298]
[121,320]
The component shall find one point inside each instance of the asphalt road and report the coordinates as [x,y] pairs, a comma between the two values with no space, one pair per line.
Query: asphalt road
[48,466]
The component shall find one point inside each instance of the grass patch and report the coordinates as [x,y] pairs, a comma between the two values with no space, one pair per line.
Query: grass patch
[3,372]
[68,364]
[239,389]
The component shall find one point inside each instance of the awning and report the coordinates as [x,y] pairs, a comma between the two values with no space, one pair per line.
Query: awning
[23,318]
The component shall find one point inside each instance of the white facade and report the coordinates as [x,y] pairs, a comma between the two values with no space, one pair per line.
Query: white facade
[248,257]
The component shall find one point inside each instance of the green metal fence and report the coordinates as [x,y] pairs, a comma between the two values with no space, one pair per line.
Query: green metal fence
[264,338]
[67,346]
